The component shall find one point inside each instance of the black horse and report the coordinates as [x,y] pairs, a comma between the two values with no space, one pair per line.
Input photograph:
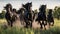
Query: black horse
[50,18]
[28,16]
[8,14]
[42,16]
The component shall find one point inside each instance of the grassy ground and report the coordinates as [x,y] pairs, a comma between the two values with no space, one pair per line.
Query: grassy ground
[53,30]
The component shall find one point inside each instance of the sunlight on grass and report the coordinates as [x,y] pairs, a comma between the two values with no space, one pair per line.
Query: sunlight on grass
[14,30]
[2,20]
[57,22]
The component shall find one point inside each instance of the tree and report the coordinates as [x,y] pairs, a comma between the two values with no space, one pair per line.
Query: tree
[2,15]
[57,12]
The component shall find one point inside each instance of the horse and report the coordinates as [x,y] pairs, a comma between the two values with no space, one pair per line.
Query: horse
[50,18]
[8,14]
[42,16]
[14,17]
[28,16]
[21,12]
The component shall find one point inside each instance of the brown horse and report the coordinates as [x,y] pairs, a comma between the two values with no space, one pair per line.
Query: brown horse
[21,15]
[14,17]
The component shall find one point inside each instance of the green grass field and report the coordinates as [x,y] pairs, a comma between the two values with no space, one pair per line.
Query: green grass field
[53,30]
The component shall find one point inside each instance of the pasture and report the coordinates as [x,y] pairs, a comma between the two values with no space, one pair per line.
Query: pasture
[18,30]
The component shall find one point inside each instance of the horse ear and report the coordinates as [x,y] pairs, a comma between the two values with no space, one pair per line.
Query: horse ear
[4,7]
[31,2]
[23,5]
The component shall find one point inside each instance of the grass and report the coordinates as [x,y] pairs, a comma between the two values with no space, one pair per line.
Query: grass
[15,30]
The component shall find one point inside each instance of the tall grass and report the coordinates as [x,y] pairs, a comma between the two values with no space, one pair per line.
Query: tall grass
[16,30]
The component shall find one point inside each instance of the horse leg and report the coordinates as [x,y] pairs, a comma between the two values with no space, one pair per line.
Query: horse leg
[27,24]
[52,24]
[49,24]
[41,27]
[45,23]
[8,23]
[31,24]
[11,23]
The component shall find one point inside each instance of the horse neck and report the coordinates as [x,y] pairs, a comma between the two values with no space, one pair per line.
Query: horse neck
[9,11]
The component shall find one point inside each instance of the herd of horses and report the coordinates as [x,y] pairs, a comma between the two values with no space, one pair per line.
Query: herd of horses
[27,15]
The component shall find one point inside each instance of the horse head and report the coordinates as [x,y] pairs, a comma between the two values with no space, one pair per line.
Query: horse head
[27,6]
[42,8]
[8,7]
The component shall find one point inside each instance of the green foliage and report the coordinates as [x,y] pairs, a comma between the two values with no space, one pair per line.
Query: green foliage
[2,15]
[57,12]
